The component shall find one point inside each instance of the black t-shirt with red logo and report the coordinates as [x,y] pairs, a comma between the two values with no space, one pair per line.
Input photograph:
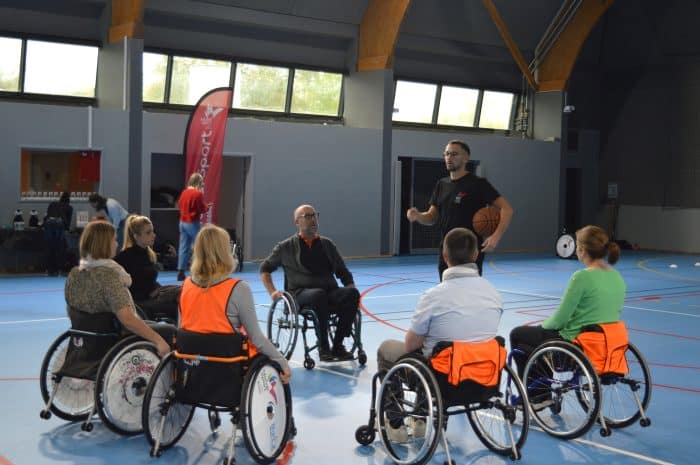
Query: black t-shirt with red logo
[458,200]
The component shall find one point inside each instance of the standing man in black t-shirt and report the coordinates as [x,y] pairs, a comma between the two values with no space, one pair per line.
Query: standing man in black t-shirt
[456,198]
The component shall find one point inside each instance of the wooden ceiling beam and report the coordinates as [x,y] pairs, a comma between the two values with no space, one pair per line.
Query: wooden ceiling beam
[510,43]
[127,20]
[379,31]
[554,69]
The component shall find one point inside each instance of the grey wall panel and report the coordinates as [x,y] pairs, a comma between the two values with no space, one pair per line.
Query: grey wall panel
[526,172]
[53,126]
[335,168]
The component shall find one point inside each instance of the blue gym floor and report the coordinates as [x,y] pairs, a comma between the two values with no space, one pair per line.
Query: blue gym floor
[331,401]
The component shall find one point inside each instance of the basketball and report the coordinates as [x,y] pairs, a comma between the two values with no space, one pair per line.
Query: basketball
[485,221]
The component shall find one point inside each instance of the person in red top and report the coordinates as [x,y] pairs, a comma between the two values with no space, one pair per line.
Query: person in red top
[192,206]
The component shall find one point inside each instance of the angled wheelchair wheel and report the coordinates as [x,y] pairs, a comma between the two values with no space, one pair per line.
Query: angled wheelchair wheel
[74,398]
[164,419]
[619,406]
[283,324]
[266,411]
[408,396]
[502,422]
[563,389]
[121,384]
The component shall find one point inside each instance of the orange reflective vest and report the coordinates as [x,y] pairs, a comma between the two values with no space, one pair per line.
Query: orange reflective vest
[203,309]
[606,350]
[480,362]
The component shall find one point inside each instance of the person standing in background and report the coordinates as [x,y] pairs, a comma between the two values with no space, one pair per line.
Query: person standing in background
[116,214]
[59,215]
[191,204]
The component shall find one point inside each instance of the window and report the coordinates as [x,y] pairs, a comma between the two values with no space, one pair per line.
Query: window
[194,77]
[496,110]
[10,58]
[60,69]
[458,106]
[414,102]
[316,92]
[260,87]
[47,173]
[155,69]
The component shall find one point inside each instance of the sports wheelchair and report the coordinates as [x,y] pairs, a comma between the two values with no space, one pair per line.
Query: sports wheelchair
[471,378]
[599,376]
[285,319]
[214,371]
[92,368]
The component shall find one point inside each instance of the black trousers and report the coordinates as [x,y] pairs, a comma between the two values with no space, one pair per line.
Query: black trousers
[164,304]
[527,339]
[55,235]
[341,301]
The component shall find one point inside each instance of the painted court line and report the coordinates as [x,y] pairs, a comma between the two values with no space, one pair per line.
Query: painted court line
[17,322]
[662,311]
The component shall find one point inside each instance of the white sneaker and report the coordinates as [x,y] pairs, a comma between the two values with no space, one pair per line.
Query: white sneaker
[398,435]
[417,426]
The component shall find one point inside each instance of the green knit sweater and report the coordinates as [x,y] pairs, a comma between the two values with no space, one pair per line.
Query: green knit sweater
[592,297]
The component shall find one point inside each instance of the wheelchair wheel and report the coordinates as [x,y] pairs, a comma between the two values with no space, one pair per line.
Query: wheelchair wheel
[502,422]
[619,406]
[237,251]
[563,389]
[121,384]
[74,397]
[409,395]
[266,411]
[283,324]
[161,407]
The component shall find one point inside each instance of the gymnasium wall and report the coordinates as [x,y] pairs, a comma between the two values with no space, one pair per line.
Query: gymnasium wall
[524,171]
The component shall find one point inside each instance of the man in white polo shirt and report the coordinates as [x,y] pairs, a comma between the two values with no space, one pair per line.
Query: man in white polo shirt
[463,307]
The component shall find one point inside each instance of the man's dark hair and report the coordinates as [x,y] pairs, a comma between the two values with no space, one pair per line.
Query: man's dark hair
[462,144]
[460,246]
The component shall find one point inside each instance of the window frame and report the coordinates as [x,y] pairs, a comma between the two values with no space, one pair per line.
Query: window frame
[22,95]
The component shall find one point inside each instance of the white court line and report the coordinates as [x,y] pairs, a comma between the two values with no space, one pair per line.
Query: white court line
[388,296]
[623,452]
[662,311]
[31,321]
[344,375]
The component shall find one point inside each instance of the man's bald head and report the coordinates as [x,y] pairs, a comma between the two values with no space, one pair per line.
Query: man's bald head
[306,219]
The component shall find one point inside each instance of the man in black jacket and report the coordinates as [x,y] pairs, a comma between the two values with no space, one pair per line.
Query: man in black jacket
[311,264]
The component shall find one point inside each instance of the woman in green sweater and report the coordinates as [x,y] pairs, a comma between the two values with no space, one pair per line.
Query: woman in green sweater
[594,295]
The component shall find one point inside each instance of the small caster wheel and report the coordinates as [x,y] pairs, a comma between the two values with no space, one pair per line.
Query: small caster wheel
[309,363]
[45,414]
[605,432]
[86,427]
[364,435]
[362,357]
[644,422]
[214,420]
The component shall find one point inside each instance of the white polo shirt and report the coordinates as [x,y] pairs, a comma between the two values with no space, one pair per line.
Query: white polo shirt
[463,307]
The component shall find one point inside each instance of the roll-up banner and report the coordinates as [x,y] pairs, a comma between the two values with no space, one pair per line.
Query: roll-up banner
[204,145]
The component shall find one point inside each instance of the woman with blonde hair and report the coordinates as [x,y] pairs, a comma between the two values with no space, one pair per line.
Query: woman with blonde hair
[100,285]
[191,204]
[593,296]
[213,302]
[140,261]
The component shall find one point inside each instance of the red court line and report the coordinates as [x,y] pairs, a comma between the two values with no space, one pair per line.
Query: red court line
[372,315]
[5,461]
[669,365]
[659,333]
[676,388]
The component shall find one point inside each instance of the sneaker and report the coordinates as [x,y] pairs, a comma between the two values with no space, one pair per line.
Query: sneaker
[325,354]
[341,353]
[541,405]
[417,425]
[398,435]
[180,275]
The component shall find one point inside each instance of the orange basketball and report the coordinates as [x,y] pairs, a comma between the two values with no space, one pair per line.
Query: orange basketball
[485,221]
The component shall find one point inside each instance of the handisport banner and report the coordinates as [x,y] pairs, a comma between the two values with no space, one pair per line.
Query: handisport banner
[204,145]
